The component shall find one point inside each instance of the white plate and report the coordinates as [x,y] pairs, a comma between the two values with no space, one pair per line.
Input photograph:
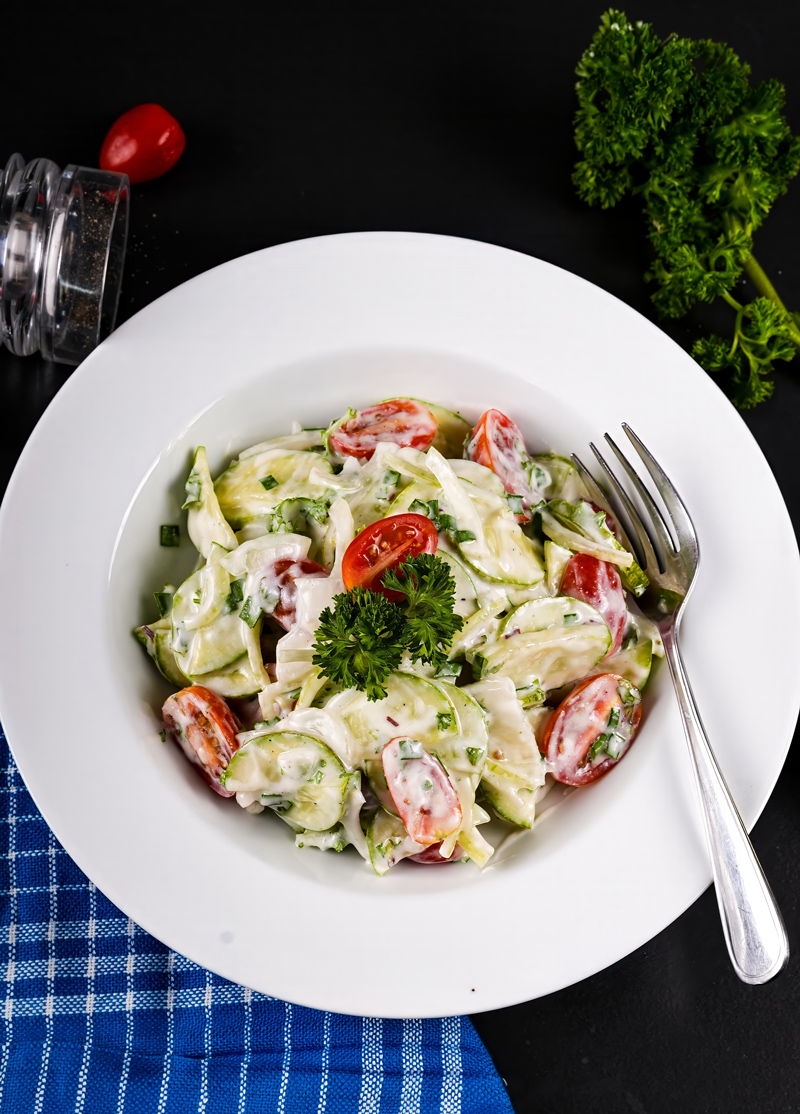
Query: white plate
[302,331]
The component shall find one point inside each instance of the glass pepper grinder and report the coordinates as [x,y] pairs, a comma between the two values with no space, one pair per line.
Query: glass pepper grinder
[62,245]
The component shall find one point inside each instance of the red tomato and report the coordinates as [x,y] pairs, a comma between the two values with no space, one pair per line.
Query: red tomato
[422,792]
[278,579]
[144,143]
[592,729]
[433,855]
[403,421]
[598,583]
[384,545]
[205,728]
[497,443]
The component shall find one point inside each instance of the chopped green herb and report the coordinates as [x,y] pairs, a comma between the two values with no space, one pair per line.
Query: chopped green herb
[613,717]
[427,784]
[444,720]
[418,507]
[235,596]
[268,483]
[391,479]
[170,536]
[193,489]
[164,602]
[515,503]
[571,617]
[410,748]
[162,735]
[474,755]
[449,669]
[464,536]
[251,612]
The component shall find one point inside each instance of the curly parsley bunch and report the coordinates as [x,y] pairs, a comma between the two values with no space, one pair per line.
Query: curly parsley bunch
[676,123]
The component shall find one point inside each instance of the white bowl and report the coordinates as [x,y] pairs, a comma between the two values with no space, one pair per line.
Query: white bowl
[301,331]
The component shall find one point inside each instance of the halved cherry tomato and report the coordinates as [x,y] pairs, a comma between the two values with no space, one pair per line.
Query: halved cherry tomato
[403,421]
[598,584]
[144,143]
[205,728]
[422,792]
[433,855]
[497,443]
[592,729]
[384,545]
[279,577]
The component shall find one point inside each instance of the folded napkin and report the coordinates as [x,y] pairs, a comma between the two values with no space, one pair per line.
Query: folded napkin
[100,1017]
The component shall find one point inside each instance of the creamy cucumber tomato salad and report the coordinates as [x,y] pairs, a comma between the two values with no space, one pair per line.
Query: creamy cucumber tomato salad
[400,628]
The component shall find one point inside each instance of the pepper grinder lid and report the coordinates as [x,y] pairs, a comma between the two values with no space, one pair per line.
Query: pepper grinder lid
[63,236]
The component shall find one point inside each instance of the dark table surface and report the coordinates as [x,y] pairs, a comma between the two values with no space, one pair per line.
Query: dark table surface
[449,117]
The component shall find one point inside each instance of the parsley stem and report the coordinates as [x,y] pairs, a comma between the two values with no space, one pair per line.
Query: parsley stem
[758,277]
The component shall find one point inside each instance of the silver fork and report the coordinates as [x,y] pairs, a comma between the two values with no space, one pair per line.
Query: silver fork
[751,921]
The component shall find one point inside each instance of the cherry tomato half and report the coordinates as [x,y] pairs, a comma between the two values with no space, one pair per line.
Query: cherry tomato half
[384,545]
[205,728]
[279,578]
[422,792]
[403,421]
[598,584]
[144,143]
[497,443]
[592,729]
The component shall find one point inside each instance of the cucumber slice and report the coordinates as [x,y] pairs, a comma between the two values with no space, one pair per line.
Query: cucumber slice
[466,597]
[510,794]
[413,706]
[634,663]
[243,496]
[213,646]
[416,492]
[388,842]
[466,753]
[557,478]
[451,429]
[297,776]
[166,661]
[238,680]
[544,647]
[479,475]
[373,768]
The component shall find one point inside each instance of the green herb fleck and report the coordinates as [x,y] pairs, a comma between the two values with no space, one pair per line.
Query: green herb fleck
[268,483]
[235,596]
[170,536]
[251,612]
[444,720]
[164,602]
[474,755]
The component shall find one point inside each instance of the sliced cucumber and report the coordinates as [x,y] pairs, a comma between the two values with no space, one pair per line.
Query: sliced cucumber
[634,663]
[413,706]
[466,753]
[166,660]
[213,646]
[479,475]
[466,596]
[556,477]
[297,776]
[373,768]
[237,681]
[544,647]
[388,841]
[511,795]
[286,475]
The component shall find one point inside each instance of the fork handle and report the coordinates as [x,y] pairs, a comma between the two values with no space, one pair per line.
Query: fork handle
[751,921]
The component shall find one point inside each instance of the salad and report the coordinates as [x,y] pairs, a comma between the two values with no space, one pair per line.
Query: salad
[400,628]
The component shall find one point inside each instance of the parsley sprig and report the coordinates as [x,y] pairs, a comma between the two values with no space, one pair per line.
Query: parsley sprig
[362,638]
[677,124]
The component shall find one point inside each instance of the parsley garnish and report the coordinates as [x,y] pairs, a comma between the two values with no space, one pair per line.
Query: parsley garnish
[677,124]
[362,638]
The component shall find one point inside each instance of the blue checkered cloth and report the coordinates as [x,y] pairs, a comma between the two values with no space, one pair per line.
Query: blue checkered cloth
[100,1017]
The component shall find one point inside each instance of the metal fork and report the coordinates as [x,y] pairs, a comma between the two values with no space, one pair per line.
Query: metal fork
[751,921]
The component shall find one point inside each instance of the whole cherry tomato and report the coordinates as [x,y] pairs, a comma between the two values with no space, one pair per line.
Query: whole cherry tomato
[598,584]
[422,792]
[592,729]
[384,545]
[205,728]
[403,421]
[497,443]
[144,143]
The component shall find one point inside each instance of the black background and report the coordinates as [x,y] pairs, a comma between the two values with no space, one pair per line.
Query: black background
[448,116]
